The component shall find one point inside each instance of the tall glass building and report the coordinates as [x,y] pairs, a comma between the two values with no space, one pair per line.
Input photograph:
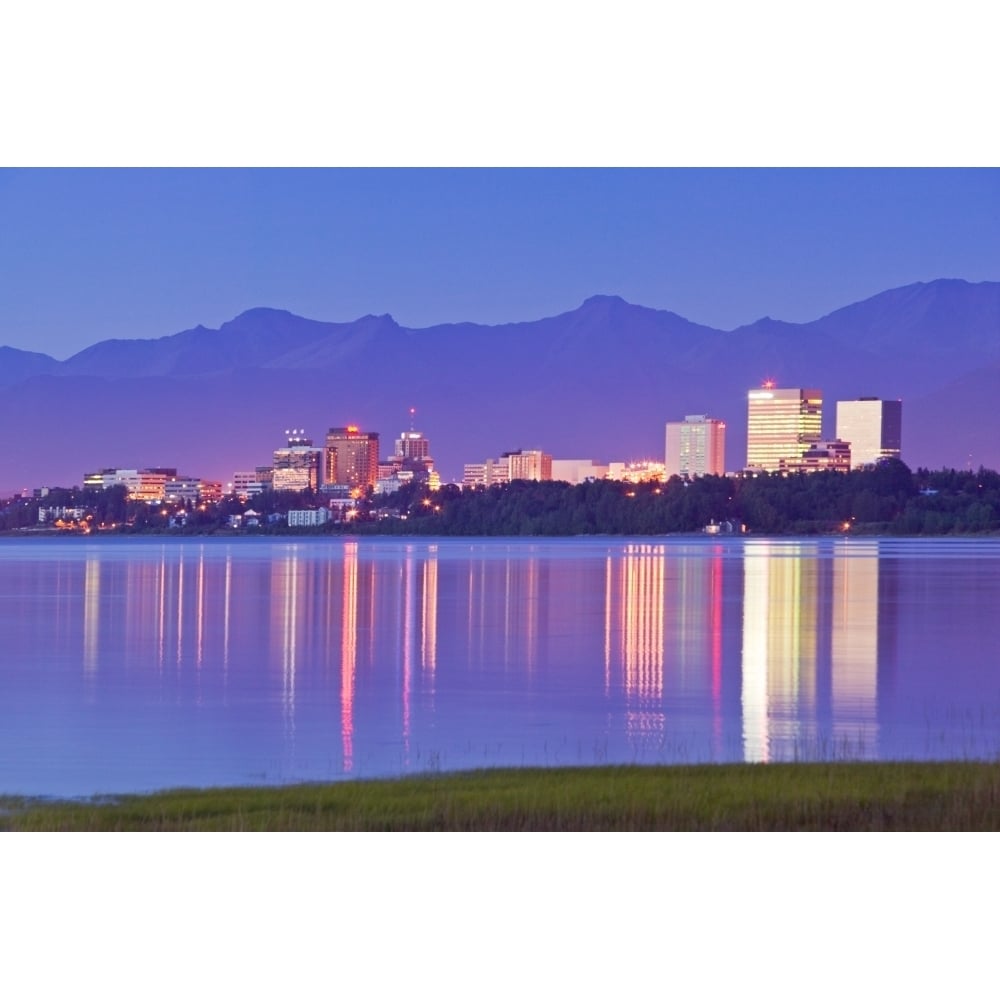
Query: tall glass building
[296,467]
[873,426]
[781,424]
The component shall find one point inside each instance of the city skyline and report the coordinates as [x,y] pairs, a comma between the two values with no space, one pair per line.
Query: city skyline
[783,435]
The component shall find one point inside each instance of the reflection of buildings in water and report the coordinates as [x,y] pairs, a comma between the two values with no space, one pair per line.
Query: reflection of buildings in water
[428,613]
[402,653]
[854,649]
[520,612]
[633,629]
[780,599]
[348,651]
[407,633]
[693,633]
[144,619]
[502,611]
[180,608]
[286,620]
[226,602]
[200,609]
[161,623]
[693,629]
[419,588]
[91,615]
[633,634]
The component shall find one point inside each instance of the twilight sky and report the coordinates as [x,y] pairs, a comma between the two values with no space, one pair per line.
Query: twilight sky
[92,254]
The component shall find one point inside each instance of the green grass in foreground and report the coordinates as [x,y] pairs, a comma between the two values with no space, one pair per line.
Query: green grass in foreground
[838,796]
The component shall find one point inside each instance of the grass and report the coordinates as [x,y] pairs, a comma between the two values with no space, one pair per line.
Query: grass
[744,797]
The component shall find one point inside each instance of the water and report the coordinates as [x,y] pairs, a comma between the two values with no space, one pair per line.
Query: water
[131,665]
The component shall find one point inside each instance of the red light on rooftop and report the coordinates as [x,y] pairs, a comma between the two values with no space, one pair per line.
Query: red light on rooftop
[352,428]
[768,383]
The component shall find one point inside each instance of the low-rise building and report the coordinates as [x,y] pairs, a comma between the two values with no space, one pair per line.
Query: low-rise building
[834,455]
[637,472]
[308,518]
[577,470]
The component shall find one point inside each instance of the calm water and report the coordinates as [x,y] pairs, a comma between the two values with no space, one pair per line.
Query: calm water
[134,665]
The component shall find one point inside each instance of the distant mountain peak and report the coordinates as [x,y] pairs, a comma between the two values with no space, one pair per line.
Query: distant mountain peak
[604,300]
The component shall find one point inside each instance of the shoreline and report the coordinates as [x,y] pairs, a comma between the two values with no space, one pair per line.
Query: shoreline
[50,533]
[837,796]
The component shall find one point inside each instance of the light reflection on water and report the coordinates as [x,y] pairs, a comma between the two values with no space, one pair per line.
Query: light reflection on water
[140,664]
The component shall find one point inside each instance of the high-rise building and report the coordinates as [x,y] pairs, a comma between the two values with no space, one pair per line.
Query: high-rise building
[297,466]
[413,445]
[781,424]
[351,457]
[696,447]
[873,426]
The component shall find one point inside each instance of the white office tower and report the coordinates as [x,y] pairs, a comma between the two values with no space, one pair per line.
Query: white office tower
[874,427]
[696,446]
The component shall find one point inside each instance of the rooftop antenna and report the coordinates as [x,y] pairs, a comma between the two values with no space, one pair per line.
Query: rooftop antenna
[413,413]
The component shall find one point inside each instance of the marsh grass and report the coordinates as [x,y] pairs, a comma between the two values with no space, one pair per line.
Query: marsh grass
[744,797]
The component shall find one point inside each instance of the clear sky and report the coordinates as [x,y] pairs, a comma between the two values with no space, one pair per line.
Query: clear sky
[96,253]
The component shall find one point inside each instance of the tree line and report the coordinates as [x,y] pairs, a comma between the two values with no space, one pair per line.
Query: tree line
[885,499]
[888,498]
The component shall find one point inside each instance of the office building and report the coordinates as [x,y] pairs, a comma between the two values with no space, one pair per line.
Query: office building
[781,424]
[411,462]
[351,457]
[509,466]
[835,455]
[695,446]
[532,464]
[873,426]
[413,446]
[246,484]
[146,485]
[297,466]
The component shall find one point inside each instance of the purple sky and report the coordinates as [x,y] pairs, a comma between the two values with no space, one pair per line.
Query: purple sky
[93,254]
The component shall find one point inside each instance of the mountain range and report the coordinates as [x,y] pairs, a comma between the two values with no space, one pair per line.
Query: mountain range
[597,382]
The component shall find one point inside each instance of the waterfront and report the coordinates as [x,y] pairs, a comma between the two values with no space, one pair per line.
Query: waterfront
[132,665]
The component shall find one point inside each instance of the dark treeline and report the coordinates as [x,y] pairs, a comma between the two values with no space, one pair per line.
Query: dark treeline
[887,499]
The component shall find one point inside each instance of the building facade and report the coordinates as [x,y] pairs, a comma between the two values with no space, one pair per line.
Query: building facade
[645,471]
[835,455]
[351,457]
[308,518]
[146,485]
[492,472]
[695,446]
[874,428]
[412,445]
[536,465]
[577,470]
[782,424]
[297,466]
